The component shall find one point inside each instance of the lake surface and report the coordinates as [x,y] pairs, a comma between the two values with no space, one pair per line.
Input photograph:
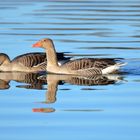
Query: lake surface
[63,107]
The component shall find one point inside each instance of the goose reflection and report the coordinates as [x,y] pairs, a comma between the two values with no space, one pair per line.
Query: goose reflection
[4,84]
[54,80]
[30,80]
[36,81]
[43,110]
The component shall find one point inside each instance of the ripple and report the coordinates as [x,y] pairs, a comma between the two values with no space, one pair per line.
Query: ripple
[107,9]
[67,29]
[88,14]
[83,110]
[101,41]
[8,7]
[111,48]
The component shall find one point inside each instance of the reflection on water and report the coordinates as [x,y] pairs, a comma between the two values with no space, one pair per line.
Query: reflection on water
[30,79]
[44,110]
[53,81]
[85,107]
[4,84]
[36,81]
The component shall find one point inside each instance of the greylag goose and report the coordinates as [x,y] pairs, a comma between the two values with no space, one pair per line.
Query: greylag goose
[30,62]
[83,66]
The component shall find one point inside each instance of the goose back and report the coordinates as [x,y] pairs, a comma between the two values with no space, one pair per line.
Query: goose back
[35,58]
[30,59]
[87,63]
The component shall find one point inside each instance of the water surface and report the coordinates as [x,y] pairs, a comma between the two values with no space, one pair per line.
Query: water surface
[71,107]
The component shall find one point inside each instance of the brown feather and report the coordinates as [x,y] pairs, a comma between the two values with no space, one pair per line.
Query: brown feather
[85,63]
[30,59]
[34,59]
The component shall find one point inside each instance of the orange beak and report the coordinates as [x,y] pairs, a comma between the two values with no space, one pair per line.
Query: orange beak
[38,44]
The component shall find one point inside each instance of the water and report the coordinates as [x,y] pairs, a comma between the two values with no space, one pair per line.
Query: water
[71,107]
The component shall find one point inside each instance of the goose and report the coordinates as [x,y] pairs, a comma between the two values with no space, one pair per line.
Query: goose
[29,62]
[81,66]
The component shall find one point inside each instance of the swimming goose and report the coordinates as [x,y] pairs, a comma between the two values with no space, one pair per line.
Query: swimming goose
[83,66]
[30,62]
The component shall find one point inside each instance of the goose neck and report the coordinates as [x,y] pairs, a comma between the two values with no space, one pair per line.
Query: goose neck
[51,55]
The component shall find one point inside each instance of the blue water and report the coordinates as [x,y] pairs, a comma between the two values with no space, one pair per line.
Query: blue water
[96,28]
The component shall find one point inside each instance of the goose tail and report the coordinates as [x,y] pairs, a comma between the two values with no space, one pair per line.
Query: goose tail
[113,68]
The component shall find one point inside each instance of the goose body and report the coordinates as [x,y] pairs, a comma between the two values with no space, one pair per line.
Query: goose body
[83,66]
[29,62]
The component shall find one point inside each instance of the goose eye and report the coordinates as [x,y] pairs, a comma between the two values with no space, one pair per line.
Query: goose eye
[44,40]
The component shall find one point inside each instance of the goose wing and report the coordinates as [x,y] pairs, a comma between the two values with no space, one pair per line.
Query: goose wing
[30,59]
[89,63]
[37,59]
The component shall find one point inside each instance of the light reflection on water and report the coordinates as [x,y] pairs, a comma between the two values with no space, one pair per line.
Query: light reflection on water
[73,107]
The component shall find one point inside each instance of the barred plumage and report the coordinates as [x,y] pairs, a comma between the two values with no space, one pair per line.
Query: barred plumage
[30,59]
[85,63]
[30,62]
[83,66]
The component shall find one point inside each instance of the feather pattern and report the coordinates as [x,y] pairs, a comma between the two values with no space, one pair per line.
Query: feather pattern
[83,66]
[29,62]
[89,66]
[86,63]
[89,71]
[30,59]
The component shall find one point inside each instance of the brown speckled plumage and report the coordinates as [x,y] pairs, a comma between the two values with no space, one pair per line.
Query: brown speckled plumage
[30,59]
[29,62]
[85,63]
[83,66]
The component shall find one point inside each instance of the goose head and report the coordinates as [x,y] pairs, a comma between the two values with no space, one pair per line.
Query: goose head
[43,43]
[4,59]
